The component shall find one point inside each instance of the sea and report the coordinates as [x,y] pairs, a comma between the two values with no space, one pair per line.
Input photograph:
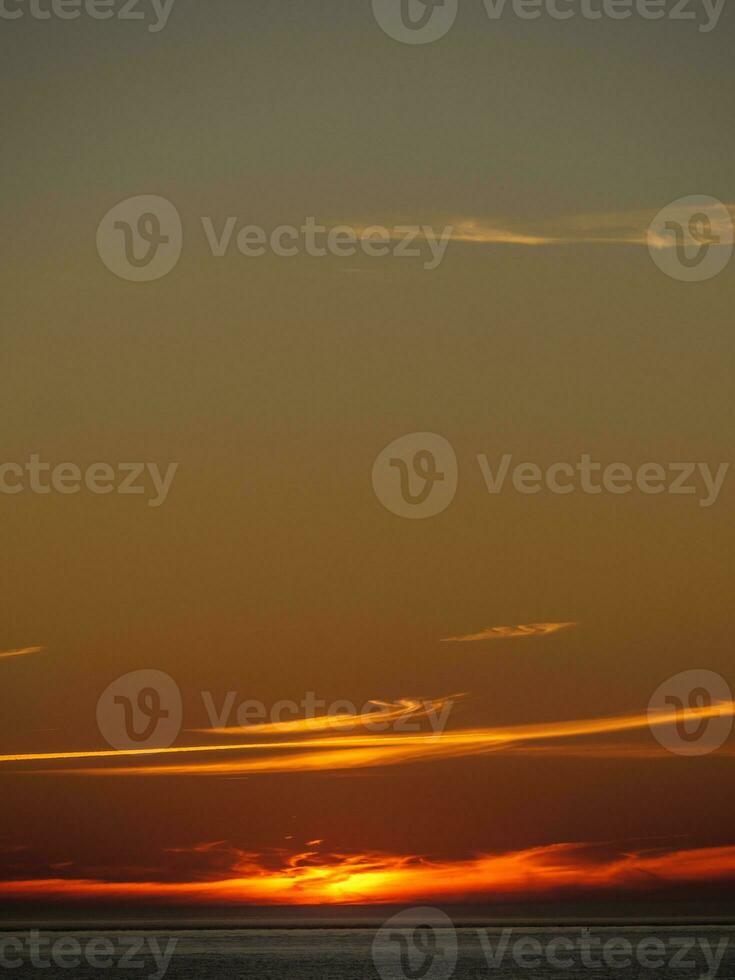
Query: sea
[431,951]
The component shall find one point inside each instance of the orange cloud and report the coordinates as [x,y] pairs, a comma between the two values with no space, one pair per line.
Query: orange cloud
[309,878]
[341,751]
[611,228]
[509,632]
[385,714]
[24,652]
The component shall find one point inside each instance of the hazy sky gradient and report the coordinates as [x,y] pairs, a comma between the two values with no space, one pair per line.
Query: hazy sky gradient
[272,569]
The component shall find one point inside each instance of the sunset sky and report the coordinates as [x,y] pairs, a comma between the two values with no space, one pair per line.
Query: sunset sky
[542,624]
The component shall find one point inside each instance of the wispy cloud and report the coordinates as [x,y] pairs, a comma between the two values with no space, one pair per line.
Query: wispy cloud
[591,228]
[335,752]
[509,632]
[383,714]
[312,878]
[625,228]
[23,652]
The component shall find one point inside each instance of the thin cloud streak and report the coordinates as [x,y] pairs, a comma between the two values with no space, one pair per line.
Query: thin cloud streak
[612,228]
[629,228]
[337,752]
[23,652]
[386,713]
[509,632]
[607,228]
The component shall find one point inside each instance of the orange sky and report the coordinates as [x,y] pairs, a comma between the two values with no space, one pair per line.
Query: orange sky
[272,570]
[310,878]
[228,875]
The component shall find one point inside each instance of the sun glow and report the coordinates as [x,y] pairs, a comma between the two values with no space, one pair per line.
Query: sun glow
[310,878]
